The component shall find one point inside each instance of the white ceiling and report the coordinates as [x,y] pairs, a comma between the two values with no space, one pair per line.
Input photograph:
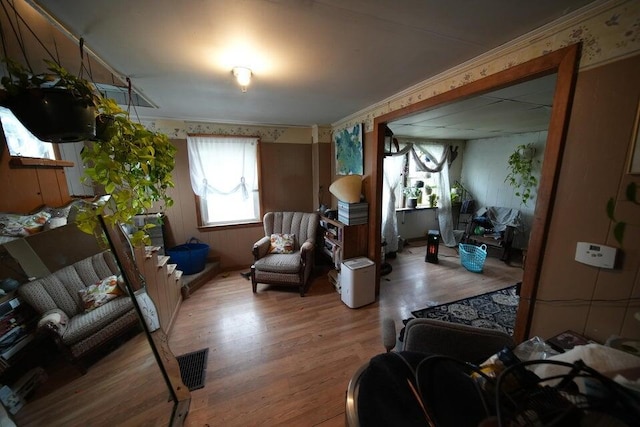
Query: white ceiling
[525,107]
[314,61]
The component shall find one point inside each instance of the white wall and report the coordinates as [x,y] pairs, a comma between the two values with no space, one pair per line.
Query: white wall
[415,223]
[71,152]
[484,170]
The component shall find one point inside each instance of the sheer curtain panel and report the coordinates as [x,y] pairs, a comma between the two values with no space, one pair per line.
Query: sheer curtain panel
[224,174]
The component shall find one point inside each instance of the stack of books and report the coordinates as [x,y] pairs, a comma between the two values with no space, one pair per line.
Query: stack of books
[353,213]
[16,322]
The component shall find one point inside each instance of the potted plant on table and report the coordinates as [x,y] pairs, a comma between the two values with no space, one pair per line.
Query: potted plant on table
[412,194]
[433,200]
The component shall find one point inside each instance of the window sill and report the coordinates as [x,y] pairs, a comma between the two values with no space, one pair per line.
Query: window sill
[207,228]
[35,162]
[419,208]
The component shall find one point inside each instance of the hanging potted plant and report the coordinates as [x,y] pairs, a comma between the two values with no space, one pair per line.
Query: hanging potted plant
[131,163]
[521,165]
[134,166]
[56,106]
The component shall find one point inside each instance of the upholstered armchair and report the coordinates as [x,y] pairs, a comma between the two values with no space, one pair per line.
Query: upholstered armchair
[285,255]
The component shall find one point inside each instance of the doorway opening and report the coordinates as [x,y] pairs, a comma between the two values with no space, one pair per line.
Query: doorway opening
[561,62]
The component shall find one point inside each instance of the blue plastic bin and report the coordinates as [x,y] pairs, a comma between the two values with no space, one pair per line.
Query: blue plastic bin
[190,257]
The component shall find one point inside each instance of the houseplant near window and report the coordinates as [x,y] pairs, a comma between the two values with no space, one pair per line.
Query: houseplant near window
[134,166]
[56,106]
[412,194]
[131,163]
[521,165]
[433,200]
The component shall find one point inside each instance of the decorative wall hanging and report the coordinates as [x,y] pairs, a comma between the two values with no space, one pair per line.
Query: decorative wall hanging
[349,150]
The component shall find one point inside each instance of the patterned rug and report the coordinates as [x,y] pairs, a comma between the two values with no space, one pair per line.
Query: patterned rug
[493,310]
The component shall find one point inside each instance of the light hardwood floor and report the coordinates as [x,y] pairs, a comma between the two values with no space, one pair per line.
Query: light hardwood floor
[274,358]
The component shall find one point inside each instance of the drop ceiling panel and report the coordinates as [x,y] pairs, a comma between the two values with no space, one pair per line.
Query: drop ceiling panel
[524,107]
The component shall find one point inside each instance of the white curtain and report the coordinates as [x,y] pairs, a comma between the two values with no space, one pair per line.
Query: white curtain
[224,174]
[393,167]
[391,182]
[439,154]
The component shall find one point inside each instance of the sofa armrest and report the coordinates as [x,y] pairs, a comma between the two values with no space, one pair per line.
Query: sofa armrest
[306,250]
[261,248]
[463,342]
[53,322]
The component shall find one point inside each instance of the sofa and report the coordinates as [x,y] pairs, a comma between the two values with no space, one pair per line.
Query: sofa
[75,309]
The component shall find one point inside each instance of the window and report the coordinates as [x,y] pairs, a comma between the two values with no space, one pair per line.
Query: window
[20,141]
[419,164]
[224,176]
[414,174]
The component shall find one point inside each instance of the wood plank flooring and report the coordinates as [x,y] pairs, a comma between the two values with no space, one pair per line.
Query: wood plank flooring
[275,359]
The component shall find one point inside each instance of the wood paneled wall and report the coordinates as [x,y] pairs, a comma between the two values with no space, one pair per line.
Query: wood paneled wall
[596,302]
[23,189]
[286,185]
[286,177]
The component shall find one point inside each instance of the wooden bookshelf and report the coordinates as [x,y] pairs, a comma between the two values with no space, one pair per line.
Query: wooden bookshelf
[351,239]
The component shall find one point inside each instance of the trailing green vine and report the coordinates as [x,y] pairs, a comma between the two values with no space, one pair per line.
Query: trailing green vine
[134,166]
[619,228]
[521,165]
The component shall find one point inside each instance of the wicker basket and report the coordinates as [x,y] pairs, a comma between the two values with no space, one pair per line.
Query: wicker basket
[472,257]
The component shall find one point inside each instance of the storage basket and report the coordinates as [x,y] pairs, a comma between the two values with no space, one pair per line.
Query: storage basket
[472,257]
[190,257]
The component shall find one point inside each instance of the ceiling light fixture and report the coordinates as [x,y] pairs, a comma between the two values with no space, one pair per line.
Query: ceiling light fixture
[243,76]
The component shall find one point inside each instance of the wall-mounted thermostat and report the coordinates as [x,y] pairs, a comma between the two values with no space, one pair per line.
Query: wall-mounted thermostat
[596,255]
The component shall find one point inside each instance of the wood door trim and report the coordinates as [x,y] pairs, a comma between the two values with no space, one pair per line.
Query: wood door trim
[563,62]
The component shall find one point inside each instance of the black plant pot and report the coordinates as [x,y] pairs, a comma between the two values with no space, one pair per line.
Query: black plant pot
[105,128]
[412,203]
[54,115]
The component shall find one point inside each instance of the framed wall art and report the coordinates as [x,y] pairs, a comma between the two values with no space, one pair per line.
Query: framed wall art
[348,144]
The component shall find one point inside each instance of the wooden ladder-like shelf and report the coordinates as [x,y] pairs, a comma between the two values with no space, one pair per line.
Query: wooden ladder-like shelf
[164,283]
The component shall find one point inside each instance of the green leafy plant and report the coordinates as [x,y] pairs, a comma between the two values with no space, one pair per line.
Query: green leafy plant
[134,166]
[456,192]
[619,228]
[131,163]
[20,79]
[412,192]
[55,106]
[433,200]
[521,165]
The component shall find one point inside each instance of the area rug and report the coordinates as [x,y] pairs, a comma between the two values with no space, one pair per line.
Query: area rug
[493,310]
[193,368]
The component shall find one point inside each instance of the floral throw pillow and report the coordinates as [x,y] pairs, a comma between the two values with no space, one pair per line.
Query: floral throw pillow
[22,225]
[282,243]
[94,296]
